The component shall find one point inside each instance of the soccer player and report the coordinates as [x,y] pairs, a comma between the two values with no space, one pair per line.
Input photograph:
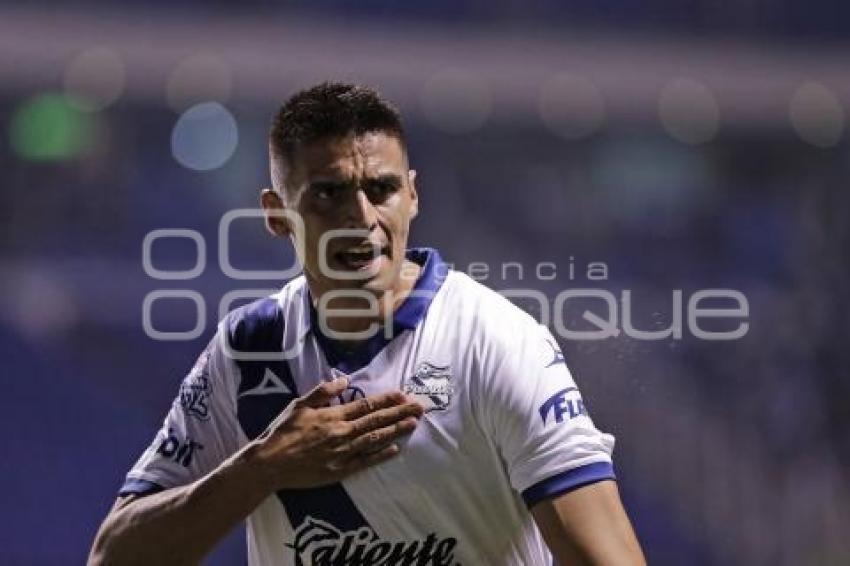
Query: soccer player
[380,409]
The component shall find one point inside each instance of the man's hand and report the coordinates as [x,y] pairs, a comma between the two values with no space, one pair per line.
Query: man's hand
[311,443]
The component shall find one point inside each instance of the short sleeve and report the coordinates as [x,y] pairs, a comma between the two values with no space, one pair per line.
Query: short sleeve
[199,432]
[535,415]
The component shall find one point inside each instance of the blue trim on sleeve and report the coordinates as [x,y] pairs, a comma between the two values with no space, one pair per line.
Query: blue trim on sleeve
[139,487]
[568,481]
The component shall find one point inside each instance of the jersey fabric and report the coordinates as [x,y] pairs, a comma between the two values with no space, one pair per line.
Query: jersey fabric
[505,427]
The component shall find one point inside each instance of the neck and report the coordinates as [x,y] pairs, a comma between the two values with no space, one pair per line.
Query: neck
[359,314]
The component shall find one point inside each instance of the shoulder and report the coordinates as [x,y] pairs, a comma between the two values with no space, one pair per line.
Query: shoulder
[259,325]
[489,319]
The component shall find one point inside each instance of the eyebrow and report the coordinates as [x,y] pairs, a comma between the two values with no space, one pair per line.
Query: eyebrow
[330,183]
[388,178]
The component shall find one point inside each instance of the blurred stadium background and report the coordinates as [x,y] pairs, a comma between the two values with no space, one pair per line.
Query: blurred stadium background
[686,144]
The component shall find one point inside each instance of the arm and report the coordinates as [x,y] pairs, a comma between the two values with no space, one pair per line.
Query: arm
[588,526]
[309,444]
[182,524]
[556,457]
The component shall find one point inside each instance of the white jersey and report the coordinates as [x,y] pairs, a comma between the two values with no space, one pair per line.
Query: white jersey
[505,428]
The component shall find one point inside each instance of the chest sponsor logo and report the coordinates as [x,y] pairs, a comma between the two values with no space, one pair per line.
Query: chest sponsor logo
[317,543]
[432,385]
[562,407]
[196,389]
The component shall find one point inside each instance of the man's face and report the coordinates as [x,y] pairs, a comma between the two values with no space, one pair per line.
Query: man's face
[357,192]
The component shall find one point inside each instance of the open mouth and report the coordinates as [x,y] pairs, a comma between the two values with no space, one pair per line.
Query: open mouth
[361,258]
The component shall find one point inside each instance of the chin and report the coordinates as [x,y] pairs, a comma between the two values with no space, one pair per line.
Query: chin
[380,283]
[377,283]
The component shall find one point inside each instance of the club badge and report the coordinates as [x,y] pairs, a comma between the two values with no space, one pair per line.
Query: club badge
[431,385]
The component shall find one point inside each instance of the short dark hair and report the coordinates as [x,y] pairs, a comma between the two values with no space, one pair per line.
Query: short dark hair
[329,110]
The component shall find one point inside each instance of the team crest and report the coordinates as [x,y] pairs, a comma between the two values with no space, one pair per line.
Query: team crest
[196,389]
[431,385]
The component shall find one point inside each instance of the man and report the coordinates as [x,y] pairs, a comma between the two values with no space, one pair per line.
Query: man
[380,409]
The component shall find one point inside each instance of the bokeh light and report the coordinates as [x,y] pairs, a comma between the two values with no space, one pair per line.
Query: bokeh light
[456,102]
[94,79]
[49,127]
[571,106]
[688,111]
[40,304]
[196,79]
[816,115]
[204,137]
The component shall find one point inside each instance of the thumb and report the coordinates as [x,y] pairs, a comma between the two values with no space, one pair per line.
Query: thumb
[324,393]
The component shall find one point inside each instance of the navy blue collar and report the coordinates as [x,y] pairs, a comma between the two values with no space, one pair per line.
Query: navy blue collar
[434,271]
[406,317]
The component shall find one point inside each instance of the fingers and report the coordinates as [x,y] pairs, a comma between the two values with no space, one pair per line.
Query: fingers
[377,439]
[356,409]
[360,452]
[323,393]
[384,418]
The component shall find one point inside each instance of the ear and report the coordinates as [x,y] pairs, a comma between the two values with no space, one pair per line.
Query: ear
[272,205]
[414,196]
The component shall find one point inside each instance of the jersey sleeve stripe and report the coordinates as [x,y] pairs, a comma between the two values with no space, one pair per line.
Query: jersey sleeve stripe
[138,487]
[568,481]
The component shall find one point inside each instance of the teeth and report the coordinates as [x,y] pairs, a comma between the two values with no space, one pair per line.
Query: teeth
[359,256]
[366,250]
[356,257]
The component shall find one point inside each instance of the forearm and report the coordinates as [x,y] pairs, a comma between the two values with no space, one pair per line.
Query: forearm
[309,444]
[181,525]
[589,526]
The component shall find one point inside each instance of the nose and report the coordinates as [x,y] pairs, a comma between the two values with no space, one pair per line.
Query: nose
[360,212]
